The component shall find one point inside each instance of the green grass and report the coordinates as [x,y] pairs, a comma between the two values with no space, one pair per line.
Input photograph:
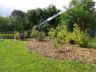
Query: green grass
[16,57]
[92,43]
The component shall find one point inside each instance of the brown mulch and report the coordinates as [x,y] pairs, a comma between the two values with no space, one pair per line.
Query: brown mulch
[65,52]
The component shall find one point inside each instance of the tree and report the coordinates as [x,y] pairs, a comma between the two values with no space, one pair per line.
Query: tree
[36,16]
[52,10]
[80,12]
[4,24]
[18,20]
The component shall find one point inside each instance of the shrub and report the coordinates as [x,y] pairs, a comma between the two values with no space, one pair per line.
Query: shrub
[52,33]
[34,33]
[76,37]
[81,38]
[84,42]
[6,35]
[55,43]
[23,35]
[37,35]
[62,33]
[41,36]
[59,33]
[69,38]
[16,35]
[72,42]
[92,42]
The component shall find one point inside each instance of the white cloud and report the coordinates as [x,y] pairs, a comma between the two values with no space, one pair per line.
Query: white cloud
[6,6]
[32,4]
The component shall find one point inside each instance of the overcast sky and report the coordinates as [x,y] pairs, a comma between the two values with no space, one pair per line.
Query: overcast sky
[8,5]
[32,4]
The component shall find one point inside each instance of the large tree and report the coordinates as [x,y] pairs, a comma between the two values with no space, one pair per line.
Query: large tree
[80,12]
[4,24]
[18,20]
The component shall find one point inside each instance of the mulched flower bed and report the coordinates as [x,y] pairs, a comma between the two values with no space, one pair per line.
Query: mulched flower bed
[65,52]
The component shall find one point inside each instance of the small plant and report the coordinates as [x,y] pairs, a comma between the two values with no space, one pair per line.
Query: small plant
[52,33]
[62,33]
[70,38]
[84,41]
[41,36]
[34,33]
[81,38]
[37,35]
[59,33]
[16,35]
[55,44]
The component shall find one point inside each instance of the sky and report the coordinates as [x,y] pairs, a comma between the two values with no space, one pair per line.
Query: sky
[6,6]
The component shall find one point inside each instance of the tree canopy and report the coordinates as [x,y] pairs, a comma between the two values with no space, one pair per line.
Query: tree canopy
[82,13]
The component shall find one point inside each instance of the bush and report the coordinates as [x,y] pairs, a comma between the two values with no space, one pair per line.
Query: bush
[52,33]
[62,33]
[34,33]
[84,41]
[6,35]
[81,38]
[78,37]
[55,43]
[16,35]
[72,42]
[37,35]
[41,36]
[23,35]
[75,37]
[92,42]
[59,33]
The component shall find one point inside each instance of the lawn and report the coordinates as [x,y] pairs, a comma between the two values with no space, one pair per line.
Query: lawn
[93,42]
[16,57]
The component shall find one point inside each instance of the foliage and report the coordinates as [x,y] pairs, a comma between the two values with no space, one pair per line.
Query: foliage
[6,35]
[76,37]
[4,24]
[52,33]
[55,43]
[81,12]
[84,41]
[34,33]
[17,20]
[38,35]
[81,38]
[62,33]
[59,33]
[20,21]
[17,35]
[41,36]
[23,35]
[45,27]
[76,34]
[36,16]
[92,43]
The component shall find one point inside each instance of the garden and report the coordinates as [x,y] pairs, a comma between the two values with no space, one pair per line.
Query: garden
[67,43]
